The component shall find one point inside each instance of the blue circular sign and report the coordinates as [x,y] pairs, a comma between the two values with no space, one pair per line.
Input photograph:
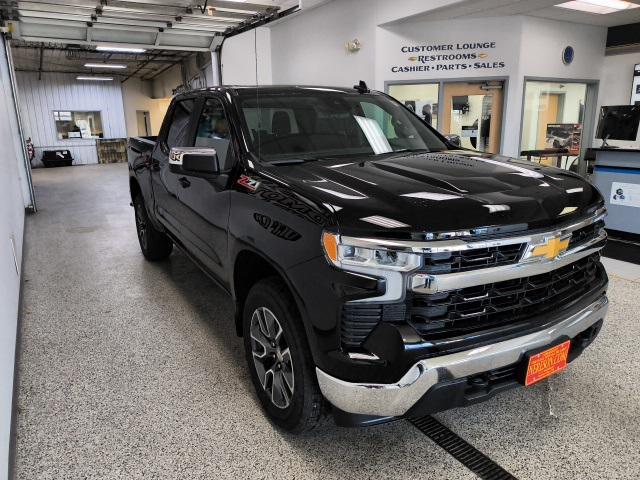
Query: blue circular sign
[567,55]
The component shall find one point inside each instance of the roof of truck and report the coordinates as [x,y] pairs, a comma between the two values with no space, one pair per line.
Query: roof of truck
[251,89]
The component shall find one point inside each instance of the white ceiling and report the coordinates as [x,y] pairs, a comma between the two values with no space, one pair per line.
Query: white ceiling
[164,24]
[537,8]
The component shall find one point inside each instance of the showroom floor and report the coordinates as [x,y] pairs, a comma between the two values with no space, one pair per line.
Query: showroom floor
[132,370]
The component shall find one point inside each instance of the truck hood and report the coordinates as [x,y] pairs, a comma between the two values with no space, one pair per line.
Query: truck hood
[402,195]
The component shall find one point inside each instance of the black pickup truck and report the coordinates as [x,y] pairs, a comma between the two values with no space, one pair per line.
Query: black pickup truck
[378,270]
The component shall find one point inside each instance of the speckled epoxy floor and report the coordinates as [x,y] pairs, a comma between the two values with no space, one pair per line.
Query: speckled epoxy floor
[133,370]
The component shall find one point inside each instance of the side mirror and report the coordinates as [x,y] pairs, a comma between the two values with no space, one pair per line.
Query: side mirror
[454,140]
[195,161]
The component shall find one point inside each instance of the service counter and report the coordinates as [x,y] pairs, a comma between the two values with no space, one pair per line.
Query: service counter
[616,173]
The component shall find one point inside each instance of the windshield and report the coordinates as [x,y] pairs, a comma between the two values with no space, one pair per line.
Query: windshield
[308,125]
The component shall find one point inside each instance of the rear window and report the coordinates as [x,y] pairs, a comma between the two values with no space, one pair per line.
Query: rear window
[178,134]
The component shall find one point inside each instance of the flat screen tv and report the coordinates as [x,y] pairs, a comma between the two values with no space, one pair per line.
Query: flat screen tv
[619,122]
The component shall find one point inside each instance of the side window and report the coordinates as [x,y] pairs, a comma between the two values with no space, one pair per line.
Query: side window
[213,132]
[179,127]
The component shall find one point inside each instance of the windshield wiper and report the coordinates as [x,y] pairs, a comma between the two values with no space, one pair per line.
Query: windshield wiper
[413,150]
[293,161]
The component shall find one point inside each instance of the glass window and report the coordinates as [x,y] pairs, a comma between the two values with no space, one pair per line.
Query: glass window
[71,125]
[213,132]
[553,120]
[421,98]
[311,124]
[178,133]
[472,111]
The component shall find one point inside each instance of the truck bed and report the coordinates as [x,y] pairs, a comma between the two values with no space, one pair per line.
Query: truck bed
[142,144]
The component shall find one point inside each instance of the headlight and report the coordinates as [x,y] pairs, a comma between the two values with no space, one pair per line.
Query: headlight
[344,255]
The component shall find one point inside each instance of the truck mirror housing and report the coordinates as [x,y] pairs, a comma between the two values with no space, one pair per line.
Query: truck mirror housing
[194,161]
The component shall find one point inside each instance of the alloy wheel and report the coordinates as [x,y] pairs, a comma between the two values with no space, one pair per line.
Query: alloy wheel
[141,225]
[272,357]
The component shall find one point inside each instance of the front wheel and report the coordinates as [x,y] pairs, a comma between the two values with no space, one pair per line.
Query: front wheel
[278,357]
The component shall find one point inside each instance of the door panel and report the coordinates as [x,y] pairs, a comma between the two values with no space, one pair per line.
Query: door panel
[549,106]
[205,201]
[179,133]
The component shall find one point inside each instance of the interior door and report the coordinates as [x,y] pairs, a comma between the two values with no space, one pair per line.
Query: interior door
[178,131]
[549,108]
[205,201]
[473,111]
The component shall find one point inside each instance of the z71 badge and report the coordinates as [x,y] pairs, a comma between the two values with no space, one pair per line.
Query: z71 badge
[248,182]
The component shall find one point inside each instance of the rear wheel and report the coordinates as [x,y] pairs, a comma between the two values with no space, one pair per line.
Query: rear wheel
[155,245]
[278,357]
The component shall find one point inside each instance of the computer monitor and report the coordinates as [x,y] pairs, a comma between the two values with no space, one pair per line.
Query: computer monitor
[618,122]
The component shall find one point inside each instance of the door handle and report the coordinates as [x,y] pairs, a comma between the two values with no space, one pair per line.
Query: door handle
[184,182]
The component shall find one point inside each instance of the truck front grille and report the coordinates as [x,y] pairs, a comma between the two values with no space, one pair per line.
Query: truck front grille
[469,310]
[475,309]
[585,234]
[474,259]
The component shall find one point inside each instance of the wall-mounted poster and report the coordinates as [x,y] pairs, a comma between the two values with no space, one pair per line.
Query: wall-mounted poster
[635,89]
[627,194]
[564,135]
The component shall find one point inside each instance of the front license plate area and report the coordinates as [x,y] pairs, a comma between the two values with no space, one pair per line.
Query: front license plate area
[543,364]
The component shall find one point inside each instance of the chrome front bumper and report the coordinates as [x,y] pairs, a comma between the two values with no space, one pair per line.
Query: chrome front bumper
[395,399]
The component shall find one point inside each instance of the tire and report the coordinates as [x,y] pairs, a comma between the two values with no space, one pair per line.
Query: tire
[155,245]
[266,346]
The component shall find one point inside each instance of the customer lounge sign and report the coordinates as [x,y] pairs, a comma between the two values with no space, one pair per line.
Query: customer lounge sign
[449,57]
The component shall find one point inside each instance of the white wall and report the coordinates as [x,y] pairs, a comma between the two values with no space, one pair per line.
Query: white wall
[11,234]
[399,10]
[16,140]
[164,84]
[528,46]
[239,57]
[391,40]
[136,95]
[615,86]
[542,43]
[309,49]
[39,98]
[502,60]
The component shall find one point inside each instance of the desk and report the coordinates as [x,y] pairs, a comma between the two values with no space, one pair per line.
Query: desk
[557,153]
[616,173]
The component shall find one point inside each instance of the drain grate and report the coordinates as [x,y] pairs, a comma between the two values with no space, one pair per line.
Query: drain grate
[469,456]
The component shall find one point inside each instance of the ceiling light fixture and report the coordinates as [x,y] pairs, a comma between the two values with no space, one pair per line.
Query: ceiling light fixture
[601,7]
[104,48]
[104,65]
[97,79]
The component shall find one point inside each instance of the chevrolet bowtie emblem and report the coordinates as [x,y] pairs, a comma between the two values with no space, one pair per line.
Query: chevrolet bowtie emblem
[551,249]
